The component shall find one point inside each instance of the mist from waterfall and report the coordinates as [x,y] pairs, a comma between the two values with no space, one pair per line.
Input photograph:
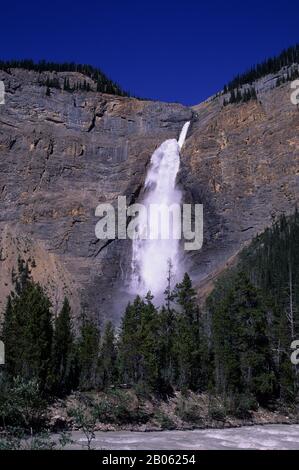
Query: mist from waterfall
[151,257]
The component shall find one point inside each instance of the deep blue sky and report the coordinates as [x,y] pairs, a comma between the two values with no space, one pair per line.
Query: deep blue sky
[168,50]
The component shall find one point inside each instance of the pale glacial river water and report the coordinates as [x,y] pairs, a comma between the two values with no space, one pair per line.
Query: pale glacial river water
[276,436]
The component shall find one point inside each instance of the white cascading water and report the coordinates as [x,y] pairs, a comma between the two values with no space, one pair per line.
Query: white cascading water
[151,257]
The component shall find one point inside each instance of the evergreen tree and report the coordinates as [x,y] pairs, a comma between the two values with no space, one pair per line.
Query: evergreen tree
[27,334]
[242,355]
[63,351]
[108,355]
[167,357]
[104,84]
[138,345]
[129,342]
[66,84]
[149,370]
[88,354]
[168,293]
[288,58]
[185,296]
[189,341]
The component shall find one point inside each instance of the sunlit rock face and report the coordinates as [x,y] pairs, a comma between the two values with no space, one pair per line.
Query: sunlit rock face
[60,156]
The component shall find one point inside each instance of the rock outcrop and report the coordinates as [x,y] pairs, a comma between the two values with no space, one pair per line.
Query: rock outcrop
[61,155]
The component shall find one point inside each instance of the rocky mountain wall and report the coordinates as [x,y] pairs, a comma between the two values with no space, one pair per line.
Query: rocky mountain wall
[61,155]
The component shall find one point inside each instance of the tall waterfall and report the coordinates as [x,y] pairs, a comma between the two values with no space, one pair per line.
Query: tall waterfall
[151,255]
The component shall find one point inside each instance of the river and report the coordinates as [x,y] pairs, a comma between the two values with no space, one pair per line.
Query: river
[278,436]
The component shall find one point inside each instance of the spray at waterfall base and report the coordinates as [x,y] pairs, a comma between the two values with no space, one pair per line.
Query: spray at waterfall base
[161,227]
[158,232]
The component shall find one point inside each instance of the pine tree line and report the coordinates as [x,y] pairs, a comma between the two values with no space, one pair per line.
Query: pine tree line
[254,313]
[236,347]
[85,86]
[50,83]
[272,264]
[78,86]
[104,84]
[157,350]
[272,65]
[241,96]
[55,83]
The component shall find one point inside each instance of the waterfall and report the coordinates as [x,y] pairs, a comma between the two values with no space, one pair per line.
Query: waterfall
[183,134]
[152,251]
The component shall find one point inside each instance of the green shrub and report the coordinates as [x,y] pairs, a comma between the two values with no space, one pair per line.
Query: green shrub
[188,411]
[164,421]
[21,405]
[85,418]
[243,406]
[217,412]
[119,408]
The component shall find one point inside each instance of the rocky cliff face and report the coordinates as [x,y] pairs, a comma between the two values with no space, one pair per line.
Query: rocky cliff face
[62,155]
[244,161]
